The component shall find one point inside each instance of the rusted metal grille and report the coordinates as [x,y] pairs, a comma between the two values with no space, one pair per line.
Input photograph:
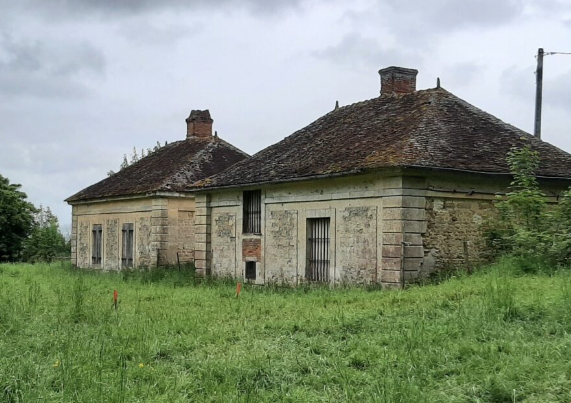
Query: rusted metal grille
[318,250]
[96,236]
[252,212]
[128,236]
[250,270]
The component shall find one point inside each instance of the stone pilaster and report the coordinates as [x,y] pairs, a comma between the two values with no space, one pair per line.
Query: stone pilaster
[159,232]
[202,230]
[73,239]
[404,222]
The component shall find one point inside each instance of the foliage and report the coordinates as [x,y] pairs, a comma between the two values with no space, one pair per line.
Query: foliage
[496,336]
[526,226]
[46,240]
[135,157]
[16,219]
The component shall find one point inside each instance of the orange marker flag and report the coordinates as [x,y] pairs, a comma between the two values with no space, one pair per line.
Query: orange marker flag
[115,297]
[238,289]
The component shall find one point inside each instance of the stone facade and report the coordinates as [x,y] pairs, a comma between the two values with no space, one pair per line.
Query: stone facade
[163,231]
[388,229]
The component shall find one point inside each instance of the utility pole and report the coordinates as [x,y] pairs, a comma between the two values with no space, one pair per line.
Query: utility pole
[538,93]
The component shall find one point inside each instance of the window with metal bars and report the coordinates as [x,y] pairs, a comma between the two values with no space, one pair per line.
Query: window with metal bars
[318,249]
[127,244]
[252,212]
[96,239]
[250,270]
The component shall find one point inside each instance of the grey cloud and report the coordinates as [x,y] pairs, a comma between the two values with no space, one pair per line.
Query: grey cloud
[420,24]
[144,32]
[44,69]
[520,83]
[117,8]
[444,15]
[557,91]
[357,52]
[461,74]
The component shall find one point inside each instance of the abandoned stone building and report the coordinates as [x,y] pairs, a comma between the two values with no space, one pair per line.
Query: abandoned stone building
[142,216]
[381,191]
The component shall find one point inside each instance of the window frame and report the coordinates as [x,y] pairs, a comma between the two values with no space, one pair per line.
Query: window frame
[252,212]
[96,244]
[250,270]
[318,250]
[128,245]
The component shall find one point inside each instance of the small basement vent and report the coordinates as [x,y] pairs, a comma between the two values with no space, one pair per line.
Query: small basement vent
[318,250]
[250,270]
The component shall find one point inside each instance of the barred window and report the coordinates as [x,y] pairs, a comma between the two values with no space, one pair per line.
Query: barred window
[252,212]
[318,250]
[128,237]
[96,239]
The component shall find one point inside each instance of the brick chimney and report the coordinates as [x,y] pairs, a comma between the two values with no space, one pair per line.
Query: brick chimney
[199,124]
[397,80]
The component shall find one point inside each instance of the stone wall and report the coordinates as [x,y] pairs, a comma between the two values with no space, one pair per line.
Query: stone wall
[454,235]
[281,246]
[357,244]
[224,244]
[354,207]
[111,240]
[383,229]
[163,228]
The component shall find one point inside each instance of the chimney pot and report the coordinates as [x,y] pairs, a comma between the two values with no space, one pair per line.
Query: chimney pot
[397,80]
[199,124]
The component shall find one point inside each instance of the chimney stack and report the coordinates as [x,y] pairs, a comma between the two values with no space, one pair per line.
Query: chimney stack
[397,80]
[199,124]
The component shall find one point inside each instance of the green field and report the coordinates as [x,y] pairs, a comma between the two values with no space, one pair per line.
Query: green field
[498,336]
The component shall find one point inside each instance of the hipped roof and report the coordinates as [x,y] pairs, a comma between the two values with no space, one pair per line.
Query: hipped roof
[428,129]
[169,169]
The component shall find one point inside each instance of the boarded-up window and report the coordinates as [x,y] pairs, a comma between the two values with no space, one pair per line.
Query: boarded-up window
[96,239]
[253,212]
[127,245]
[250,270]
[318,249]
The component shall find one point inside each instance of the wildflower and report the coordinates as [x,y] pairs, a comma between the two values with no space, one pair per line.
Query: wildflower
[141,365]
[57,363]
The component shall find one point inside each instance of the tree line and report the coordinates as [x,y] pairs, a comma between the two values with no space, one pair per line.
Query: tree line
[28,233]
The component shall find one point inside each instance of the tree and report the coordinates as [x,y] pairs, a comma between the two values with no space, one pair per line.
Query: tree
[46,240]
[16,219]
[135,157]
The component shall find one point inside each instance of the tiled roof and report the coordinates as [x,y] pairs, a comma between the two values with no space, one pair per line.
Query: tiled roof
[171,168]
[429,128]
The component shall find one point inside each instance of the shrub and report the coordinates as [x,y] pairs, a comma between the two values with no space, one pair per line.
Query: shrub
[525,226]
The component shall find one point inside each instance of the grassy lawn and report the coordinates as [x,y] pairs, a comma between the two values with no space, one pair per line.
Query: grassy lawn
[498,336]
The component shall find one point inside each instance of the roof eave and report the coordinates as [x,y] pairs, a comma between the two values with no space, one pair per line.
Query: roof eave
[158,193]
[406,169]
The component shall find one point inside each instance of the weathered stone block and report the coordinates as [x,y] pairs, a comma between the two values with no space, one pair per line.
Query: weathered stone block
[202,238]
[394,213]
[202,255]
[392,251]
[413,251]
[201,219]
[391,276]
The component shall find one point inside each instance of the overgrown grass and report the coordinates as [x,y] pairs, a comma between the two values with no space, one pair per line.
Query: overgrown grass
[501,335]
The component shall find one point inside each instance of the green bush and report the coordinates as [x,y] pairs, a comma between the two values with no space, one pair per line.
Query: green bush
[526,228]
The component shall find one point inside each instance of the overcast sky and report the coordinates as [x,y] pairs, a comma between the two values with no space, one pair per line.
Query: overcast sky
[83,81]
